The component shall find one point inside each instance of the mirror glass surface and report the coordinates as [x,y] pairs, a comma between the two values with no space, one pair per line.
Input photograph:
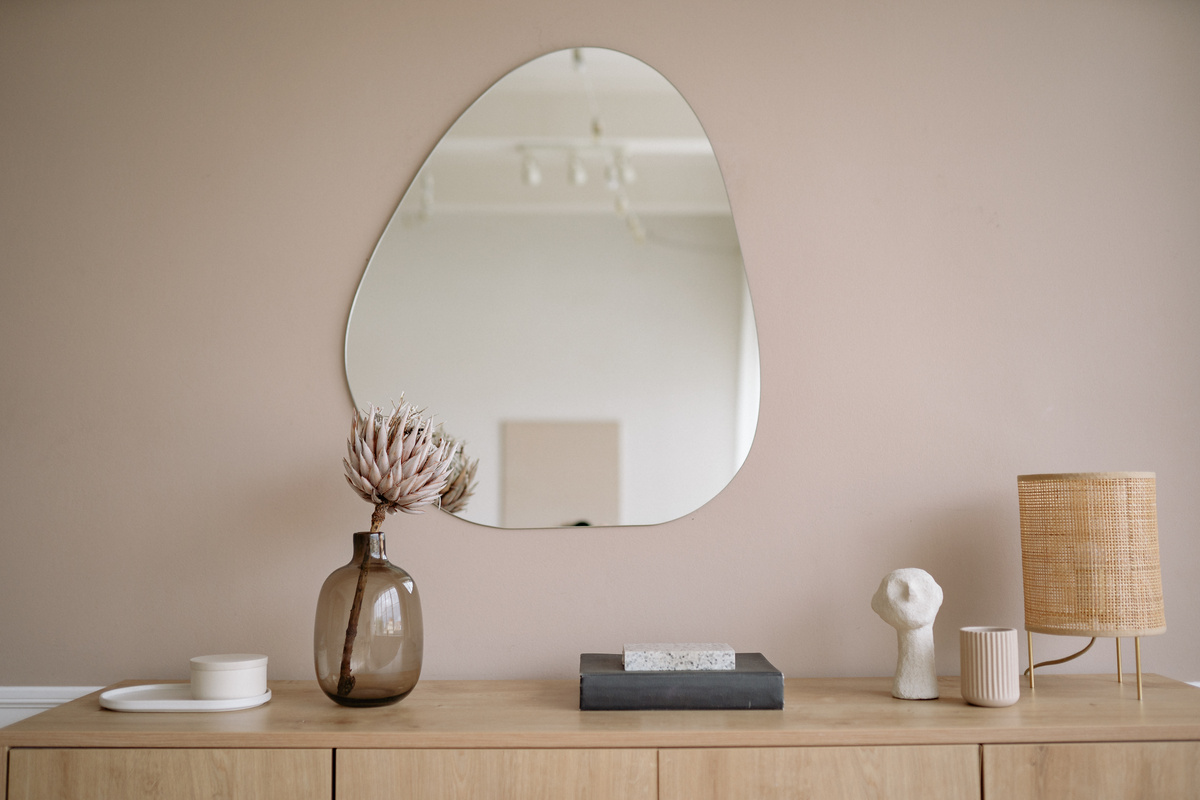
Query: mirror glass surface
[562,288]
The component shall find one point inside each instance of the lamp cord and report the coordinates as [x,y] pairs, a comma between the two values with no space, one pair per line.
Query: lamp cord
[1062,660]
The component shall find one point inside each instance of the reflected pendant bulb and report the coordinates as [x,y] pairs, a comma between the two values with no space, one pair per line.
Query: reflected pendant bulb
[531,173]
[576,171]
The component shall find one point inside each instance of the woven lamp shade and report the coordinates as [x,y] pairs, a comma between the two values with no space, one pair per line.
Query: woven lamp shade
[1089,554]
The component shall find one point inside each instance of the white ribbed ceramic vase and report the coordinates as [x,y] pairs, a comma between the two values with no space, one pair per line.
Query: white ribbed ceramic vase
[989,675]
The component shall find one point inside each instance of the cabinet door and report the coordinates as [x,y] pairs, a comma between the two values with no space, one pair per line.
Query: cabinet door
[1097,771]
[497,774]
[841,773]
[134,774]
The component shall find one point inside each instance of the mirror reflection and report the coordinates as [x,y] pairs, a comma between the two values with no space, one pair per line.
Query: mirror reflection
[561,286]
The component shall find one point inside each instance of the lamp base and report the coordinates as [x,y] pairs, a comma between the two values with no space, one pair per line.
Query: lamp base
[1137,647]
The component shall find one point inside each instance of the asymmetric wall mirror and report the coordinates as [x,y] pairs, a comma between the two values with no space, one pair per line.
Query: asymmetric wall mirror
[562,288]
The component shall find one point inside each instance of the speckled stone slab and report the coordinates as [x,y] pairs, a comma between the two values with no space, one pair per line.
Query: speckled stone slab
[673,657]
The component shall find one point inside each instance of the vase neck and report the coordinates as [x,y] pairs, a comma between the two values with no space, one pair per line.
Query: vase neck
[369,543]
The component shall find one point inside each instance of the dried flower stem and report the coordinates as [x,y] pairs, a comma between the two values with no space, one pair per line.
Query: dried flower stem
[377,516]
[346,681]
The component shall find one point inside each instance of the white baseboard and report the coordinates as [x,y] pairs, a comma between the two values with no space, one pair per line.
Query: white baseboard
[19,702]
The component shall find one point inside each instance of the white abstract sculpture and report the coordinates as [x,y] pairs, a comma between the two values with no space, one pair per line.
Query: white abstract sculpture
[908,600]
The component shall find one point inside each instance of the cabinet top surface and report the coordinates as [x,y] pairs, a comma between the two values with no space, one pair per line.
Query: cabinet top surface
[472,714]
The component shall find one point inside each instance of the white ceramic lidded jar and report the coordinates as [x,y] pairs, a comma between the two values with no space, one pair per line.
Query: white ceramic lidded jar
[233,676]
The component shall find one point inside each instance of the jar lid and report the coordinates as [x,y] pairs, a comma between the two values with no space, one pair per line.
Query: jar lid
[229,661]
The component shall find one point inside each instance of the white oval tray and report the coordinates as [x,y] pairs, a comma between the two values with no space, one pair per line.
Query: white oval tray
[171,697]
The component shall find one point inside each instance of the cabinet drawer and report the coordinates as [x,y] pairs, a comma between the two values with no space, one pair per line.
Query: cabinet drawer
[134,774]
[1097,771]
[497,774]
[774,773]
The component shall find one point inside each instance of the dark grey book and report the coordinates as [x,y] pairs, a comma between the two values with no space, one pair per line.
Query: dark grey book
[604,685]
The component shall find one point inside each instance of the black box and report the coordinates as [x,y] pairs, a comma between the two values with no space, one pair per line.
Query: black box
[604,685]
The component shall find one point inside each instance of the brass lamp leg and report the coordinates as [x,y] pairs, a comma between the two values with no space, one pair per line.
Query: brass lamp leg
[1137,649]
[1029,647]
[1119,671]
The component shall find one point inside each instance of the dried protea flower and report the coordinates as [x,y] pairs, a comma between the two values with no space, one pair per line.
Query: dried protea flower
[394,461]
[460,485]
[399,462]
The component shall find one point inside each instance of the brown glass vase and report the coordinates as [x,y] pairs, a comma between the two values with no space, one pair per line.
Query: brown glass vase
[367,639]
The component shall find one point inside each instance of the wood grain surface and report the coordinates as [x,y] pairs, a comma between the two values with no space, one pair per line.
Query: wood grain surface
[1101,771]
[498,774]
[943,772]
[545,714]
[140,774]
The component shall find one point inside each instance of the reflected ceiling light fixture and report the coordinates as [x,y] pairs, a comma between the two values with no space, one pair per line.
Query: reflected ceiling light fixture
[618,171]
[531,172]
[1089,557]
[580,65]
[576,172]
[612,177]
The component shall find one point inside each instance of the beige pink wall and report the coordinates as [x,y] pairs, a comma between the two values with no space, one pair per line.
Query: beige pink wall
[972,231]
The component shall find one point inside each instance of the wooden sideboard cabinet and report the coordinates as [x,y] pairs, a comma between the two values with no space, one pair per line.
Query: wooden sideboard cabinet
[1075,736]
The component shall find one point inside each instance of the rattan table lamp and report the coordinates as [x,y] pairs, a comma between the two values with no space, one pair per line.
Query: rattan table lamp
[1089,555]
